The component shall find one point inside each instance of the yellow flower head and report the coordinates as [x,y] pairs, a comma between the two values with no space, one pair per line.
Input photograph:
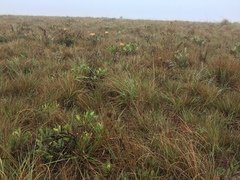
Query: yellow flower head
[106,32]
[64,29]
[92,34]
[121,44]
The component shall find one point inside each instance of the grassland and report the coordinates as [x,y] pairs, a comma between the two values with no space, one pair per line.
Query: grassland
[77,104]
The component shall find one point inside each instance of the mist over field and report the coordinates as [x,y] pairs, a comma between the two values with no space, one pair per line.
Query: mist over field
[198,10]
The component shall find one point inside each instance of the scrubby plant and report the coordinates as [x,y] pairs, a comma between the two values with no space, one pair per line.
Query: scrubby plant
[129,48]
[235,50]
[113,49]
[198,41]
[182,58]
[90,132]
[19,143]
[84,72]
[55,145]
[3,39]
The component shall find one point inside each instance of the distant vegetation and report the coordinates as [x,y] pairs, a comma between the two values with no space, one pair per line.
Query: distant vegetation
[95,98]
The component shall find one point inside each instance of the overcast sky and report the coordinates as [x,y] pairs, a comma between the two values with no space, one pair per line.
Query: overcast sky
[190,10]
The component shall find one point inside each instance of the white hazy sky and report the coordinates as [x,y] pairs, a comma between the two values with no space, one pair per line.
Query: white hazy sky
[190,10]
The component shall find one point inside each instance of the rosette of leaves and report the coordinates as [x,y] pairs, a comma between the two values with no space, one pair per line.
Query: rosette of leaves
[55,144]
[20,143]
[90,132]
[198,41]
[181,58]
[130,48]
[3,39]
[235,50]
[88,75]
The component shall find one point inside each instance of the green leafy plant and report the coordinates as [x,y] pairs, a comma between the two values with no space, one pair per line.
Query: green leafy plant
[90,132]
[67,41]
[85,72]
[198,41]
[19,143]
[130,48]
[55,144]
[90,123]
[50,106]
[3,39]
[182,58]
[236,50]
[13,67]
[113,49]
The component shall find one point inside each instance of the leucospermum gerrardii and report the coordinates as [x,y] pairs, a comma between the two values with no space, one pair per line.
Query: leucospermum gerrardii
[92,34]
[121,44]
